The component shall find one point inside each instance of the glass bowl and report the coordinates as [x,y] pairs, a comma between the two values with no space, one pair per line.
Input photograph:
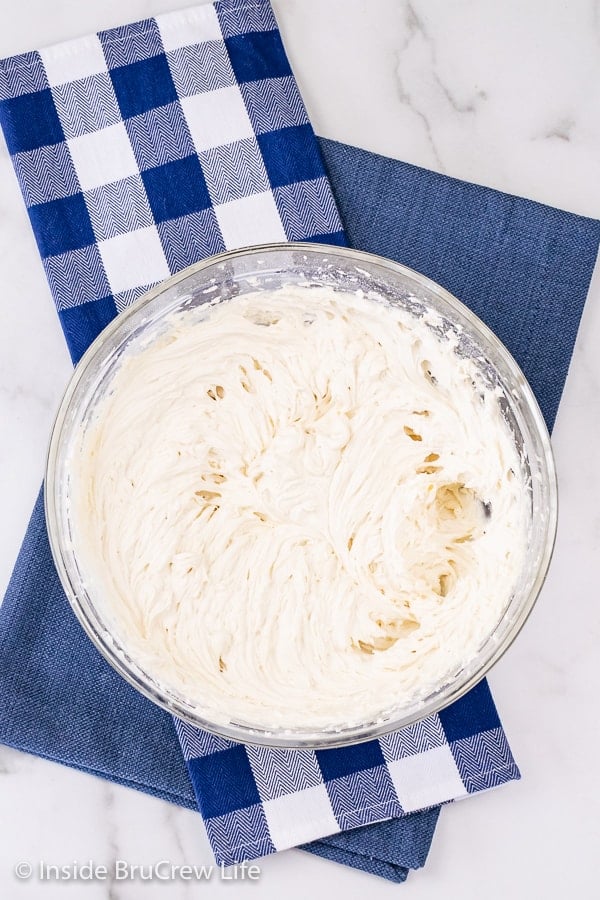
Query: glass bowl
[268,267]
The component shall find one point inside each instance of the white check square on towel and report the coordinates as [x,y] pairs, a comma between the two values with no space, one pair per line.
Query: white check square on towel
[102,157]
[189,27]
[418,778]
[73,60]
[294,818]
[216,118]
[250,220]
[132,258]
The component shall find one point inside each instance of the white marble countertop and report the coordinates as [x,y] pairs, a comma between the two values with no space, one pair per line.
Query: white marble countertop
[505,94]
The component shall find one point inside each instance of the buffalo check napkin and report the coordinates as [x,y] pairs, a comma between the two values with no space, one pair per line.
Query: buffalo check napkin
[139,151]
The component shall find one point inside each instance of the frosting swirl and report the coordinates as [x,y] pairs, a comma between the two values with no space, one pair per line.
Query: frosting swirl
[300,508]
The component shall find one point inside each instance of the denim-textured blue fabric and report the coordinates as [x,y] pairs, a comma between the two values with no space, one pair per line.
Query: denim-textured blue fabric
[84,715]
[381,849]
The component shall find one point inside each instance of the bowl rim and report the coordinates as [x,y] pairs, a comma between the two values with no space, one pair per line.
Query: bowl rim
[297,738]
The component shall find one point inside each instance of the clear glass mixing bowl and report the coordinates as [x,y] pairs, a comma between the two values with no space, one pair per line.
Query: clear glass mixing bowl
[269,267]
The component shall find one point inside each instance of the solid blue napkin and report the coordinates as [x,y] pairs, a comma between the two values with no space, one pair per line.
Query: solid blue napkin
[87,717]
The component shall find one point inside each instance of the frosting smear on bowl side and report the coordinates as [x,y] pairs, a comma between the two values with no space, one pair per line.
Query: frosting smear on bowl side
[301,508]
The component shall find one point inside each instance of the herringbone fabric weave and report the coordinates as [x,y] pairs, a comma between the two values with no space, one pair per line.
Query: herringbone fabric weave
[141,150]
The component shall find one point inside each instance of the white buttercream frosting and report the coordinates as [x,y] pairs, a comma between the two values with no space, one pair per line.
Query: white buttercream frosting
[300,508]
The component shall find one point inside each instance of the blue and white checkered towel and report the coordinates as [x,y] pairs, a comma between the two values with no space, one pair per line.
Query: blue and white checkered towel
[139,151]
